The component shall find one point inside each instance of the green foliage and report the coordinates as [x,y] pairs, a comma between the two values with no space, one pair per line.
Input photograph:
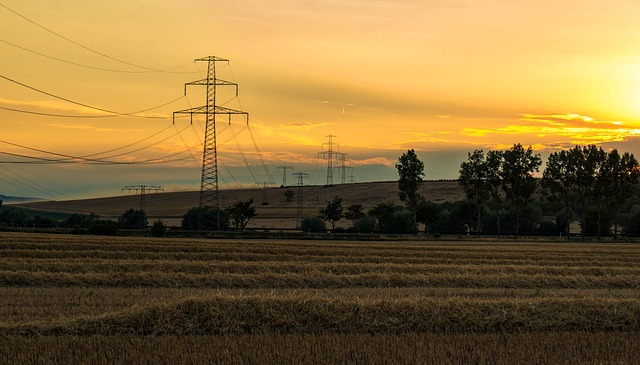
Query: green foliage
[427,212]
[313,225]
[241,213]
[332,213]
[411,172]
[383,213]
[354,213]
[205,218]
[401,221]
[367,224]
[158,229]
[133,219]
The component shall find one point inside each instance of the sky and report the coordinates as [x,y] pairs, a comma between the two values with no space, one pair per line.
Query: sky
[101,80]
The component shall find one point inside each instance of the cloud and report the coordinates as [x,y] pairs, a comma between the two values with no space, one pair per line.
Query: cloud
[559,130]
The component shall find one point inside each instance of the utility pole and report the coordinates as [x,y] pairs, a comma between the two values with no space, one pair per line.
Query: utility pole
[209,193]
[351,176]
[328,153]
[301,176]
[284,174]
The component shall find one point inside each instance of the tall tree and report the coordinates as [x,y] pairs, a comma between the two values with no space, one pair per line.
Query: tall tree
[588,160]
[620,174]
[473,180]
[494,181]
[241,213]
[332,213]
[518,181]
[411,172]
[354,213]
[558,182]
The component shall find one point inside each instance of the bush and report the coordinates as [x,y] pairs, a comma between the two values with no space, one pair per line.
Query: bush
[208,219]
[313,224]
[158,229]
[103,227]
[367,224]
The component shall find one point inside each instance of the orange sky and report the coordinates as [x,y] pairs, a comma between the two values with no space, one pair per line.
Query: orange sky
[442,77]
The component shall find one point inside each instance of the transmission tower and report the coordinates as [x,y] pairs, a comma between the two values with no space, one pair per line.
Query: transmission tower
[284,174]
[342,159]
[144,190]
[301,176]
[328,154]
[209,195]
[351,176]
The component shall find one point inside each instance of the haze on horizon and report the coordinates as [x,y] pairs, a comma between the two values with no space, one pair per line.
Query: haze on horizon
[442,77]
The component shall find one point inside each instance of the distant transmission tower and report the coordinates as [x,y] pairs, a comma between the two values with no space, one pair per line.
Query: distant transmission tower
[144,190]
[209,195]
[301,176]
[342,158]
[328,154]
[284,174]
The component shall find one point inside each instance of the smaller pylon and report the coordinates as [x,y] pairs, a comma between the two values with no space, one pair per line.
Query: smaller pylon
[300,176]
[284,174]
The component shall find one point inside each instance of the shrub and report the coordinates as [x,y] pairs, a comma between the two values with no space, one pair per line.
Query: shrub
[103,227]
[158,229]
[313,224]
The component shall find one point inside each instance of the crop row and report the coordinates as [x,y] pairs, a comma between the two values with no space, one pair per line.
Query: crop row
[498,258]
[374,349]
[266,280]
[219,315]
[469,267]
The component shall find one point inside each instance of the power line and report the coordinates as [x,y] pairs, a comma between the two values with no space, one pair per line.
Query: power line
[79,64]
[167,70]
[134,114]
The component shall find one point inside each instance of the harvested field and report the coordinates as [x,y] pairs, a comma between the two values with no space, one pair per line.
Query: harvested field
[276,301]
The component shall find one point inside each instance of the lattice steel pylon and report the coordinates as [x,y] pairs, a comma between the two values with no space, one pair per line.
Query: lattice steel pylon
[209,195]
[329,154]
[299,213]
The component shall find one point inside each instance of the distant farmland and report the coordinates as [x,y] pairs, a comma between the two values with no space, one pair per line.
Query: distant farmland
[277,213]
[83,299]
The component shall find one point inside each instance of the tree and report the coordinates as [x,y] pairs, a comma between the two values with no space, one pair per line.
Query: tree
[133,219]
[427,213]
[558,183]
[619,176]
[587,160]
[241,213]
[205,218]
[518,181]
[158,229]
[313,224]
[494,161]
[332,213]
[383,213]
[410,171]
[473,180]
[354,213]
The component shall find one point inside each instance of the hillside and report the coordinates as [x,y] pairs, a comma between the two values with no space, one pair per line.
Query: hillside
[272,208]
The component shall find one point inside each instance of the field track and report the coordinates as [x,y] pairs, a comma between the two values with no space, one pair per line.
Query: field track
[97,290]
